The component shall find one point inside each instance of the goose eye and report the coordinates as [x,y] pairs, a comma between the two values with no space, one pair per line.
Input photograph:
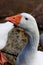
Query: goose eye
[26,18]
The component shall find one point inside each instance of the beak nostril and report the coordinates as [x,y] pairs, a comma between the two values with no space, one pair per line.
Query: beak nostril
[14,18]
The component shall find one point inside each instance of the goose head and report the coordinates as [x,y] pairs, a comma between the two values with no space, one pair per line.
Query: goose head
[25,21]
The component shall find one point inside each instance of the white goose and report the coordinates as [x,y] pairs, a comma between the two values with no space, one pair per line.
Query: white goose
[4,29]
[29,54]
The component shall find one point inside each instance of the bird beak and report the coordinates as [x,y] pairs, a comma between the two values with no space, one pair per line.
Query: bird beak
[14,19]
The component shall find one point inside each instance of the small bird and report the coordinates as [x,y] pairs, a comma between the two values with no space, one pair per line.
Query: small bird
[4,29]
[29,54]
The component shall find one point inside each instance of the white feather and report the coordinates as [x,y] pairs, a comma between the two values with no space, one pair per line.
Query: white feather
[4,29]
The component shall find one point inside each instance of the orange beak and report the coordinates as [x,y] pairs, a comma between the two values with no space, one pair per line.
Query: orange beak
[14,19]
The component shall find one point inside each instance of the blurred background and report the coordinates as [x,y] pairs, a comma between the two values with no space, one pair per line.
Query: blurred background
[17,37]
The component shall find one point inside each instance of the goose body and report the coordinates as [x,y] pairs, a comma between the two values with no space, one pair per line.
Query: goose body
[4,29]
[29,54]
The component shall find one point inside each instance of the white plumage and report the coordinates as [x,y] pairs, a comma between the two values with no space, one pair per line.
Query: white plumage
[4,29]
